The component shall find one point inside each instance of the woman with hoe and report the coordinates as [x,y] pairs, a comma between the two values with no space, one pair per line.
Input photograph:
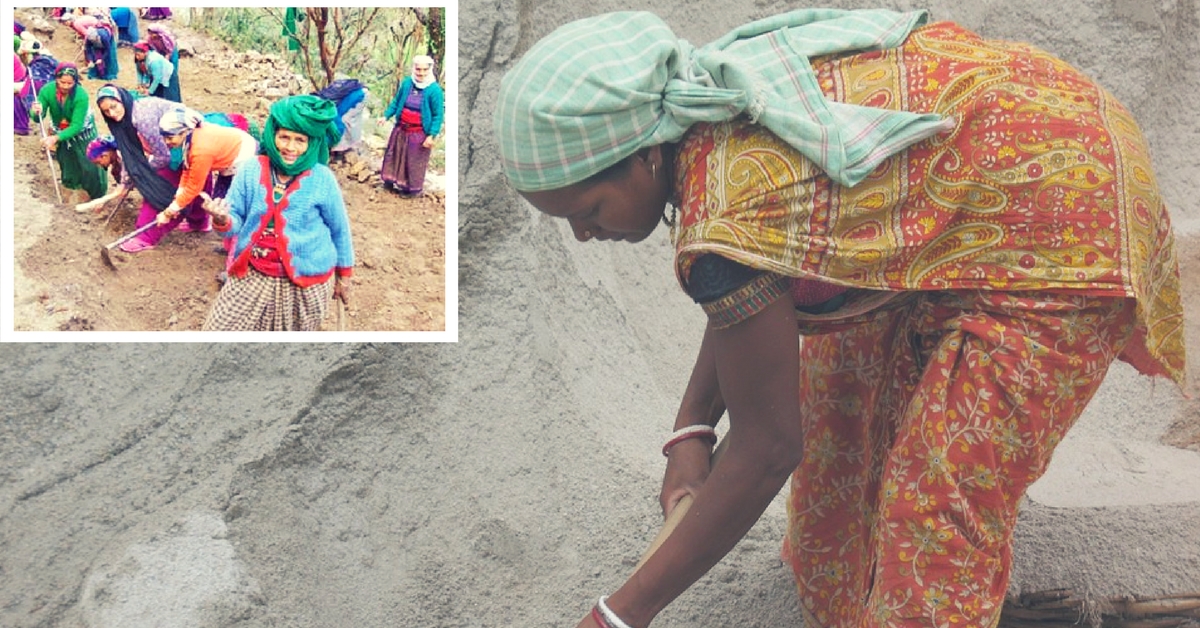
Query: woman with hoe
[66,105]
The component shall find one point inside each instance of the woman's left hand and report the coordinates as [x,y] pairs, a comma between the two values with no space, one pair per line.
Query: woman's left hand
[428,143]
[341,290]
[50,142]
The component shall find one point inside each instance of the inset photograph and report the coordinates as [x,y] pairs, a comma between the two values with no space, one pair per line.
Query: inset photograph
[232,170]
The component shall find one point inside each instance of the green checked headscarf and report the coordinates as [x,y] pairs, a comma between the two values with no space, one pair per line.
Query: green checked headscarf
[311,115]
[595,91]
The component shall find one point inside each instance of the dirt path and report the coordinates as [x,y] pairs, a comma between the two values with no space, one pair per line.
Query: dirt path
[60,282]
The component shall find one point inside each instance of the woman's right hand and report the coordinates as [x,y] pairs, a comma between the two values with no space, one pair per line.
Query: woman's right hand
[36,108]
[687,469]
[216,207]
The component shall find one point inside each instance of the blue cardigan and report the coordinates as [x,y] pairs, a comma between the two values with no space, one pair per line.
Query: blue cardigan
[433,106]
[315,233]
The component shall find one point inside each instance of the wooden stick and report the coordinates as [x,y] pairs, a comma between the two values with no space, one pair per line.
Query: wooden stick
[677,514]
[98,202]
[49,159]
[116,207]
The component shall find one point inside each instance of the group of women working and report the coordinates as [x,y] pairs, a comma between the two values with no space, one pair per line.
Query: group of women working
[287,235]
[44,85]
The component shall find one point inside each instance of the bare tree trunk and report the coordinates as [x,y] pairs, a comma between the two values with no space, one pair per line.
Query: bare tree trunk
[437,40]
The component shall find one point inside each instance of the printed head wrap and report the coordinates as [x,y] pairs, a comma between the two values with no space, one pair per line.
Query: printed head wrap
[165,43]
[179,120]
[597,90]
[66,67]
[108,91]
[311,115]
[99,146]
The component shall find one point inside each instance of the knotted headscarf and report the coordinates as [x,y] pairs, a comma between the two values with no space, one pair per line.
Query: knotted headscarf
[182,120]
[311,115]
[166,42]
[431,78]
[597,90]
[66,68]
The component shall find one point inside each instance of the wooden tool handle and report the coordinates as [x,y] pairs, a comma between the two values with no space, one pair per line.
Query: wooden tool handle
[677,515]
[132,234]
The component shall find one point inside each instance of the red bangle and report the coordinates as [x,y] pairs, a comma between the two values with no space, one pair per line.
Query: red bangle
[692,431]
[598,617]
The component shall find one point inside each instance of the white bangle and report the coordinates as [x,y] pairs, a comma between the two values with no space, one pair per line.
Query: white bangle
[610,616]
[686,433]
[692,429]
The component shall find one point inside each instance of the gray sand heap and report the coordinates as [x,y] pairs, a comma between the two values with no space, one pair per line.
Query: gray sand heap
[511,478]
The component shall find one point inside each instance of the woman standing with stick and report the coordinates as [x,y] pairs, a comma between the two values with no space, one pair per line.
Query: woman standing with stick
[73,127]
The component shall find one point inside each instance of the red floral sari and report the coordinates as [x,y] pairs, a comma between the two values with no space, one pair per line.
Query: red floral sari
[994,274]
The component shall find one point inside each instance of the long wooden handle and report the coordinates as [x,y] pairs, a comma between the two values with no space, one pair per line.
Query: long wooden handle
[677,515]
[131,234]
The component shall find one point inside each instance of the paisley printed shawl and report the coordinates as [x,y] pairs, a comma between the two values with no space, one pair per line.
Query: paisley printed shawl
[1045,184]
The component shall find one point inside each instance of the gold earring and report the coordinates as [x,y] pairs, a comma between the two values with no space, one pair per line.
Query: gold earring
[653,171]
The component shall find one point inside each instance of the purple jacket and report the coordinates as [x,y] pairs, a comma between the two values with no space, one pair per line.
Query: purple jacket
[147,112]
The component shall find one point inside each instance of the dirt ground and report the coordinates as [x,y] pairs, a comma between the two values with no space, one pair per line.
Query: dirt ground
[61,282]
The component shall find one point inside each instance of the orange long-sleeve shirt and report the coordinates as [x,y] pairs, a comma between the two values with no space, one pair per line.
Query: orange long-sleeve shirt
[212,148]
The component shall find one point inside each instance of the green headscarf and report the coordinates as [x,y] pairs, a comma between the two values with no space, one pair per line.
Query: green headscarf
[311,115]
[597,90]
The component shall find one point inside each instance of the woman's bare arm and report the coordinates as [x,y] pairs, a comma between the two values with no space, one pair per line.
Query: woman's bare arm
[702,404]
[757,367]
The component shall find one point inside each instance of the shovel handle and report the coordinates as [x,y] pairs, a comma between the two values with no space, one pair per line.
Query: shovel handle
[677,514]
[131,234]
